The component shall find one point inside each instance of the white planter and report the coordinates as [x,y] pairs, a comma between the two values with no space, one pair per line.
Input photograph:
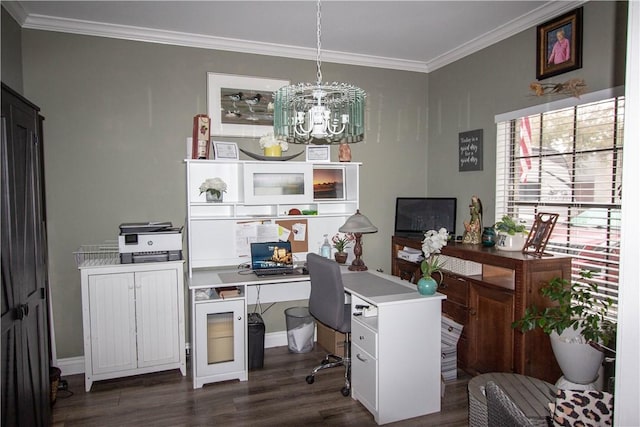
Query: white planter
[579,362]
[507,242]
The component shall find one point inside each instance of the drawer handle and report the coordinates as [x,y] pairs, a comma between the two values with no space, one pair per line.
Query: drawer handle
[361,337]
[360,358]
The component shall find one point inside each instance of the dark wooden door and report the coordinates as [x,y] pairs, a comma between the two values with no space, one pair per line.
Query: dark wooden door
[490,334]
[25,354]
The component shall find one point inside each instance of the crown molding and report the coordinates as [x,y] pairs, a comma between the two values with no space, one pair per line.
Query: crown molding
[533,18]
[125,32]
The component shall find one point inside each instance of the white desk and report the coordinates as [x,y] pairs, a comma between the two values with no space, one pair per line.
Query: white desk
[395,343]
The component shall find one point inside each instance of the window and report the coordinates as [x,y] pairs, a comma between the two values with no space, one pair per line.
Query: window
[568,161]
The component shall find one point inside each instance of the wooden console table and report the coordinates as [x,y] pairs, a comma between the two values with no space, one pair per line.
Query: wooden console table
[487,290]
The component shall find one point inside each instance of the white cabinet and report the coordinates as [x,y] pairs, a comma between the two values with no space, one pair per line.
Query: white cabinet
[261,192]
[220,350]
[133,319]
[396,356]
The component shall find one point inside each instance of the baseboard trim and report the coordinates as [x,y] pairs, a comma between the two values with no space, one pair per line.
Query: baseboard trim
[71,365]
[75,365]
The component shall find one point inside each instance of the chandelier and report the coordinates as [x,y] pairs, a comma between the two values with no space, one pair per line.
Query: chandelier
[319,113]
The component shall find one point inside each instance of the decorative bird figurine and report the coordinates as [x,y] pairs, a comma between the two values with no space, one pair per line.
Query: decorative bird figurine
[254,100]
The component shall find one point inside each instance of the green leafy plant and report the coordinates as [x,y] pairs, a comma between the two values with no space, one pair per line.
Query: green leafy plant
[576,307]
[509,226]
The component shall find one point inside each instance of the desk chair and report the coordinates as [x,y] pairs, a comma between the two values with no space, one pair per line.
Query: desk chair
[326,305]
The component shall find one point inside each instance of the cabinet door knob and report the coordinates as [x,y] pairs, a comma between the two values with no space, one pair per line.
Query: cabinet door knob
[473,311]
[239,317]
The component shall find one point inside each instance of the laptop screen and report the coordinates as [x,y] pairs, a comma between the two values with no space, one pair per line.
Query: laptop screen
[271,255]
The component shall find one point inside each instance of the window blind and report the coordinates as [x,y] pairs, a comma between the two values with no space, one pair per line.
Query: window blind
[568,161]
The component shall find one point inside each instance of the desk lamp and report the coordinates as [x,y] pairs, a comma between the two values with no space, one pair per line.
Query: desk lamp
[357,224]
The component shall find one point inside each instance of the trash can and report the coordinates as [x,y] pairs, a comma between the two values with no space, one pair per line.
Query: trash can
[256,341]
[300,328]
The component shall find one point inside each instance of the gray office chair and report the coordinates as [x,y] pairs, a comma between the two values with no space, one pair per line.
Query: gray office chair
[326,305]
[502,411]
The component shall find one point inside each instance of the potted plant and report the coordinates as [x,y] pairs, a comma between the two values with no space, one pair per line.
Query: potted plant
[213,187]
[577,324]
[511,235]
[432,244]
[341,241]
[272,146]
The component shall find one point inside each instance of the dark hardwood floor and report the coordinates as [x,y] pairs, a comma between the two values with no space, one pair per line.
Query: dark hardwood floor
[276,395]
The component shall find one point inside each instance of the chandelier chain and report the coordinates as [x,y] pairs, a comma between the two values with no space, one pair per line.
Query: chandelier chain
[318,34]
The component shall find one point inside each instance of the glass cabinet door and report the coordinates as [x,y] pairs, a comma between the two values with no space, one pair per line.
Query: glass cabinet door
[220,337]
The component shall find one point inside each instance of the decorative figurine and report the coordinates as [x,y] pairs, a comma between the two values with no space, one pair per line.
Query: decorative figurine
[473,228]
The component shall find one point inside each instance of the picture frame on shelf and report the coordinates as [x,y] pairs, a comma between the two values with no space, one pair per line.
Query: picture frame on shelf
[241,105]
[329,183]
[540,232]
[318,153]
[225,150]
[278,182]
[559,45]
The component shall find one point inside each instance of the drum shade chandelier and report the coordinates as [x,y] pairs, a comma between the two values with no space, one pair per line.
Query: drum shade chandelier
[320,113]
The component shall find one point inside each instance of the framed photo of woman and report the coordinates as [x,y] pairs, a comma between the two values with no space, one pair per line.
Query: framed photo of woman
[559,45]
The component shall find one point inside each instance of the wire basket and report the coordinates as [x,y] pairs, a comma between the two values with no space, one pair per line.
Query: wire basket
[106,253]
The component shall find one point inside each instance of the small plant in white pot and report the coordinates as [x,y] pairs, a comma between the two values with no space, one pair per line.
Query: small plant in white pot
[511,235]
[578,325]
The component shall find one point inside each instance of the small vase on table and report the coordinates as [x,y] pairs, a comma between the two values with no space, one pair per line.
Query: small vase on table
[427,285]
[214,197]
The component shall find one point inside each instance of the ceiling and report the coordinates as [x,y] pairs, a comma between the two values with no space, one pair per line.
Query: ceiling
[406,35]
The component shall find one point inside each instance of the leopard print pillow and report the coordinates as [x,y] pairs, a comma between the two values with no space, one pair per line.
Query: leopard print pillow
[583,408]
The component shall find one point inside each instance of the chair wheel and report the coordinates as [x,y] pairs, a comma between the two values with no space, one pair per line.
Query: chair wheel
[310,379]
[346,391]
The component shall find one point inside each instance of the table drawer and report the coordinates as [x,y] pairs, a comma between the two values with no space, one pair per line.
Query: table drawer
[363,377]
[455,288]
[457,312]
[364,337]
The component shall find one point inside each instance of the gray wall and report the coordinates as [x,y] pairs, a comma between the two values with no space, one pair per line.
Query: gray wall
[467,94]
[117,115]
[118,112]
[11,52]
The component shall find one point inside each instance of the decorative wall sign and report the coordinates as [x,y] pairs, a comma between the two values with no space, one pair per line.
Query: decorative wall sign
[240,105]
[559,45]
[470,150]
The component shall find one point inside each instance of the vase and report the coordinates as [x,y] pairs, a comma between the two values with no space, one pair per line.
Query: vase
[507,242]
[578,361]
[488,237]
[427,286]
[341,257]
[273,151]
[214,197]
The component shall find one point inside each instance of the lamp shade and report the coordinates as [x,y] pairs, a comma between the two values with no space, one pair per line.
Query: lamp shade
[358,223]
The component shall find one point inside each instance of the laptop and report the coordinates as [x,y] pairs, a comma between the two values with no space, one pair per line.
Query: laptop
[271,258]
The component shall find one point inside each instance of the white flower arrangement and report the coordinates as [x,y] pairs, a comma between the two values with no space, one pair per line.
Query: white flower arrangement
[433,242]
[214,186]
[269,140]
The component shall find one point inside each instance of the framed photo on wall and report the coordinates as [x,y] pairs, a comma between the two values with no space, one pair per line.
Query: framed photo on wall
[559,45]
[240,105]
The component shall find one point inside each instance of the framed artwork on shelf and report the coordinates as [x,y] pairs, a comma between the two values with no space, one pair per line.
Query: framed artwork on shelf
[559,45]
[240,105]
[540,233]
[328,183]
[225,150]
[318,153]
[267,183]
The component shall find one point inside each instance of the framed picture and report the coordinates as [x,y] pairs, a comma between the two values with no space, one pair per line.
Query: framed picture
[225,150]
[318,153]
[540,233]
[283,183]
[559,45]
[328,183]
[240,105]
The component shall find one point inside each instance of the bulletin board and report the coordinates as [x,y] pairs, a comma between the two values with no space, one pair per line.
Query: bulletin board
[298,243]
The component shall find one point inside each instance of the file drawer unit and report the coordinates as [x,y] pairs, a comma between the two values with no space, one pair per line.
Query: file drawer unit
[396,355]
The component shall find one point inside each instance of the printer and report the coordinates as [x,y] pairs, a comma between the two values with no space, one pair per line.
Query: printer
[149,242]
